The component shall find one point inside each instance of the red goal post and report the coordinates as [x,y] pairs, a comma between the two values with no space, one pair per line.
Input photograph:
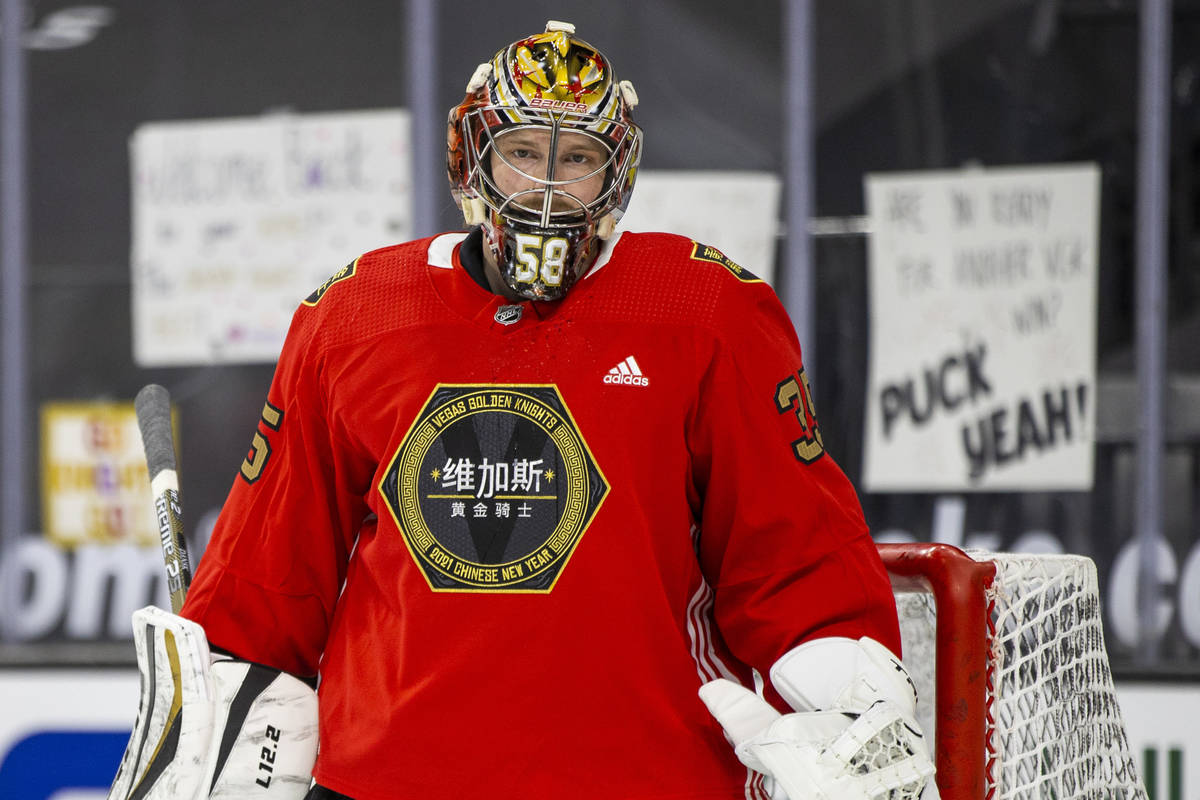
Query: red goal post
[1010,649]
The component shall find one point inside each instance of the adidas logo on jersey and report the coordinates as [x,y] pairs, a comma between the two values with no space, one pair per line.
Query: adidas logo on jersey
[627,373]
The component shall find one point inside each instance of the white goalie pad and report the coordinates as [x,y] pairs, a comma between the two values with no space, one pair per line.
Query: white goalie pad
[224,729]
[854,735]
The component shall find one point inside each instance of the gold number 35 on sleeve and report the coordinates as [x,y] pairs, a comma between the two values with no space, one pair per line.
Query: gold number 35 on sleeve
[793,394]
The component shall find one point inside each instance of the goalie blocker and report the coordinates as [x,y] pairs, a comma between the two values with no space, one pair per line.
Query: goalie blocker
[854,735]
[210,726]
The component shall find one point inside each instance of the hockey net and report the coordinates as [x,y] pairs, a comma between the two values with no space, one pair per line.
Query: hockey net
[1010,648]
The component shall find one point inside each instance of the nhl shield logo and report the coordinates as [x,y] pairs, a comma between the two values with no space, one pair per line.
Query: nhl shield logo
[508,315]
[492,488]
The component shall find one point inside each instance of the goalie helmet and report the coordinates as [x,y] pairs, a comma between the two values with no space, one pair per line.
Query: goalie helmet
[544,234]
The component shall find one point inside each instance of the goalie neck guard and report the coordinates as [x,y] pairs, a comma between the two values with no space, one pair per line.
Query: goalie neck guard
[544,234]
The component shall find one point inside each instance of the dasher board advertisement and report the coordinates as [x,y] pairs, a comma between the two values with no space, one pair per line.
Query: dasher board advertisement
[236,221]
[982,363]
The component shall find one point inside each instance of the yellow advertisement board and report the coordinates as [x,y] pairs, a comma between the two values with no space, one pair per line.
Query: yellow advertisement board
[95,487]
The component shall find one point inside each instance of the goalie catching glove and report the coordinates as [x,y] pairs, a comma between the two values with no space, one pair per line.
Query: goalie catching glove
[854,735]
[213,727]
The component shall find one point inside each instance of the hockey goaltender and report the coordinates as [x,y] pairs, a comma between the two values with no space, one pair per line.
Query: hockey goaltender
[507,574]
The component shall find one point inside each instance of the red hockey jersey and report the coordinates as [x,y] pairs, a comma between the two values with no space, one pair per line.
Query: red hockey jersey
[515,538]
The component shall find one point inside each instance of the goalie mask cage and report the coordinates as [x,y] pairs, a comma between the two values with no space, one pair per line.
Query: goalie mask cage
[1010,648]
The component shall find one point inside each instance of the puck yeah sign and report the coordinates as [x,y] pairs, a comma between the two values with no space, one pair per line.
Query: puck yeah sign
[982,371]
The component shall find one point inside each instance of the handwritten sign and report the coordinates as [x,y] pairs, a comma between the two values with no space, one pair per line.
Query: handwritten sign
[235,221]
[982,369]
[735,212]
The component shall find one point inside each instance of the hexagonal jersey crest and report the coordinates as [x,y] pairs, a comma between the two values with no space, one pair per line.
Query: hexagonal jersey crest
[492,488]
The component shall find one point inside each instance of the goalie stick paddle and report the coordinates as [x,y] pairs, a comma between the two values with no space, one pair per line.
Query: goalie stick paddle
[153,407]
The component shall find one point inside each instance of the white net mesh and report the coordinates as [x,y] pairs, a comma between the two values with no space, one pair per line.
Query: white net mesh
[917,619]
[1056,727]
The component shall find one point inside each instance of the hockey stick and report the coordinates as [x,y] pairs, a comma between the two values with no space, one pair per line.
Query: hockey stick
[158,721]
[153,407]
[206,727]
